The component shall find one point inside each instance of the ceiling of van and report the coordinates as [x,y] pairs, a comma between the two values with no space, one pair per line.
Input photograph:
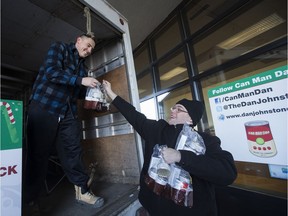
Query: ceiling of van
[28,27]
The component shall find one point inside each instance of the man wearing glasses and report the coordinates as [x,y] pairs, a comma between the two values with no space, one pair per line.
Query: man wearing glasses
[216,166]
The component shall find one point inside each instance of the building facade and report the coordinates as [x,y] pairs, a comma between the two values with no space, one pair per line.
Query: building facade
[204,48]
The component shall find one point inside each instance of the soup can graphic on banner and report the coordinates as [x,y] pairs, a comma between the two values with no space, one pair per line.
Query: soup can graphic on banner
[260,139]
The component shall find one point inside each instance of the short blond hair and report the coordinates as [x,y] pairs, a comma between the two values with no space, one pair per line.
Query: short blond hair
[89,35]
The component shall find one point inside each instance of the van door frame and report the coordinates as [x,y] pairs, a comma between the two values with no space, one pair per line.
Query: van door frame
[117,21]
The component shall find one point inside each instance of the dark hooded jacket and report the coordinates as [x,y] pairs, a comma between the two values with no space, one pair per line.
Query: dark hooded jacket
[216,167]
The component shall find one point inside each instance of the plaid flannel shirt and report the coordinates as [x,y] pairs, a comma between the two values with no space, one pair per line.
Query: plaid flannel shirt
[58,83]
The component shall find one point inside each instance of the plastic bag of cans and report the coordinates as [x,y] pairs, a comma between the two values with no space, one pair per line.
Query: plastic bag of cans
[179,187]
[190,140]
[95,99]
[169,181]
[158,172]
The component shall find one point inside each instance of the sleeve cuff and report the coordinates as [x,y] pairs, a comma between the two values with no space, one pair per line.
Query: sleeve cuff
[79,81]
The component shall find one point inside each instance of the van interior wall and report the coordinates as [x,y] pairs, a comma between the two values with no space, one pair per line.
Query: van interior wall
[116,155]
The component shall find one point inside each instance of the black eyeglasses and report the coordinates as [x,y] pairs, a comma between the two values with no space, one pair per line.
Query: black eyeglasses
[178,109]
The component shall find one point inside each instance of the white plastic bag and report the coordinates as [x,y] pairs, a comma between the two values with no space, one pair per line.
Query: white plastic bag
[95,99]
[190,140]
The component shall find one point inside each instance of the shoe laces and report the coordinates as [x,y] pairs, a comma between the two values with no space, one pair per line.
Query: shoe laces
[90,194]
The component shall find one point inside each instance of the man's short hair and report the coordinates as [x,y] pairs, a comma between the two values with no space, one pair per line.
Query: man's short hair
[89,35]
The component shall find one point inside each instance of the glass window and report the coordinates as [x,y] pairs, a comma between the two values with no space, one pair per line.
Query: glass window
[141,60]
[148,108]
[258,26]
[168,39]
[173,71]
[254,101]
[200,13]
[168,100]
[145,84]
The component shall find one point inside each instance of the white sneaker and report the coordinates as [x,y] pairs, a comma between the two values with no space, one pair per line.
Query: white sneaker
[88,198]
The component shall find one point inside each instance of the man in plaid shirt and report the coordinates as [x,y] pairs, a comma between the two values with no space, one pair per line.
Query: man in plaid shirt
[52,118]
